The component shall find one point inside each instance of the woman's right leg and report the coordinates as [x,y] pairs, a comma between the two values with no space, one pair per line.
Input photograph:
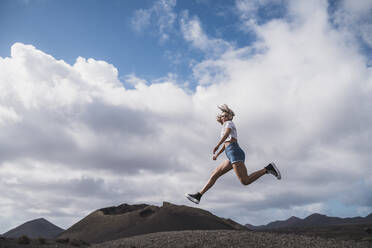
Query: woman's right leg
[241,172]
[219,171]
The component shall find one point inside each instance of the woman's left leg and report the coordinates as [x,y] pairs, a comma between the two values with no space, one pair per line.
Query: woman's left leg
[218,172]
[223,168]
[241,172]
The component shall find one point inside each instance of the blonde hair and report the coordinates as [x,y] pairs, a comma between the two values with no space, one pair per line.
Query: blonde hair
[225,109]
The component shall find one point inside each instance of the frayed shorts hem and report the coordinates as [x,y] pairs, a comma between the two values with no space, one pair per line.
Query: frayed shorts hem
[236,161]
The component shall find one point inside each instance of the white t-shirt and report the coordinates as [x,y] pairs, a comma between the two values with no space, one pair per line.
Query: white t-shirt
[233,132]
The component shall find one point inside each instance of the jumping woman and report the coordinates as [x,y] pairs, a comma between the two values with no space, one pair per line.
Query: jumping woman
[236,156]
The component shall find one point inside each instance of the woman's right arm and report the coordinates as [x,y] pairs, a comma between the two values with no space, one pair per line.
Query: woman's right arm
[216,156]
[224,137]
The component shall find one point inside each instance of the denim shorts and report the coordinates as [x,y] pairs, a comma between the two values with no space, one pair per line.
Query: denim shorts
[234,153]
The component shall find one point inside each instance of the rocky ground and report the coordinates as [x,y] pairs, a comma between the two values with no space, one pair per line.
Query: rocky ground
[44,243]
[343,232]
[202,238]
[227,238]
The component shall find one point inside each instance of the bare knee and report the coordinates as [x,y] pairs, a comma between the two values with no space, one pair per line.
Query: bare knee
[245,181]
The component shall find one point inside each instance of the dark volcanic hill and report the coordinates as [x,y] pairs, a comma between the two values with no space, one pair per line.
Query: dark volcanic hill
[128,220]
[314,220]
[39,228]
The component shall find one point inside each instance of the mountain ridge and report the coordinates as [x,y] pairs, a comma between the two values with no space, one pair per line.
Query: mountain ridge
[313,220]
[37,228]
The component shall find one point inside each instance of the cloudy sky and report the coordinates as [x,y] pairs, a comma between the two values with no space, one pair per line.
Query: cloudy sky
[111,102]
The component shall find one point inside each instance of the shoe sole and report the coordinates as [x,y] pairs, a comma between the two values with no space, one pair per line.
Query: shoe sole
[277,171]
[192,199]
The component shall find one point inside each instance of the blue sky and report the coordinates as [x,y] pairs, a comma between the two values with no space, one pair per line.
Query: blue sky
[92,29]
[105,31]
[111,102]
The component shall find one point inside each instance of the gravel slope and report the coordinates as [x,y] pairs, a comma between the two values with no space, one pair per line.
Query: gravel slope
[226,239]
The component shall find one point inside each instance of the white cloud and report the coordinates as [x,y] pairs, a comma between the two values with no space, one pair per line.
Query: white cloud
[362,7]
[161,14]
[8,115]
[132,79]
[355,17]
[141,19]
[193,32]
[248,12]
[162,17]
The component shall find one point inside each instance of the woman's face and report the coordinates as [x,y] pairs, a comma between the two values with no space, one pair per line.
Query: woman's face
[224,117]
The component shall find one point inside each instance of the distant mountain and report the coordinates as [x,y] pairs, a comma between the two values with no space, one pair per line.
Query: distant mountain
[314,220]
[35,229]
[129,220]
[292,221]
